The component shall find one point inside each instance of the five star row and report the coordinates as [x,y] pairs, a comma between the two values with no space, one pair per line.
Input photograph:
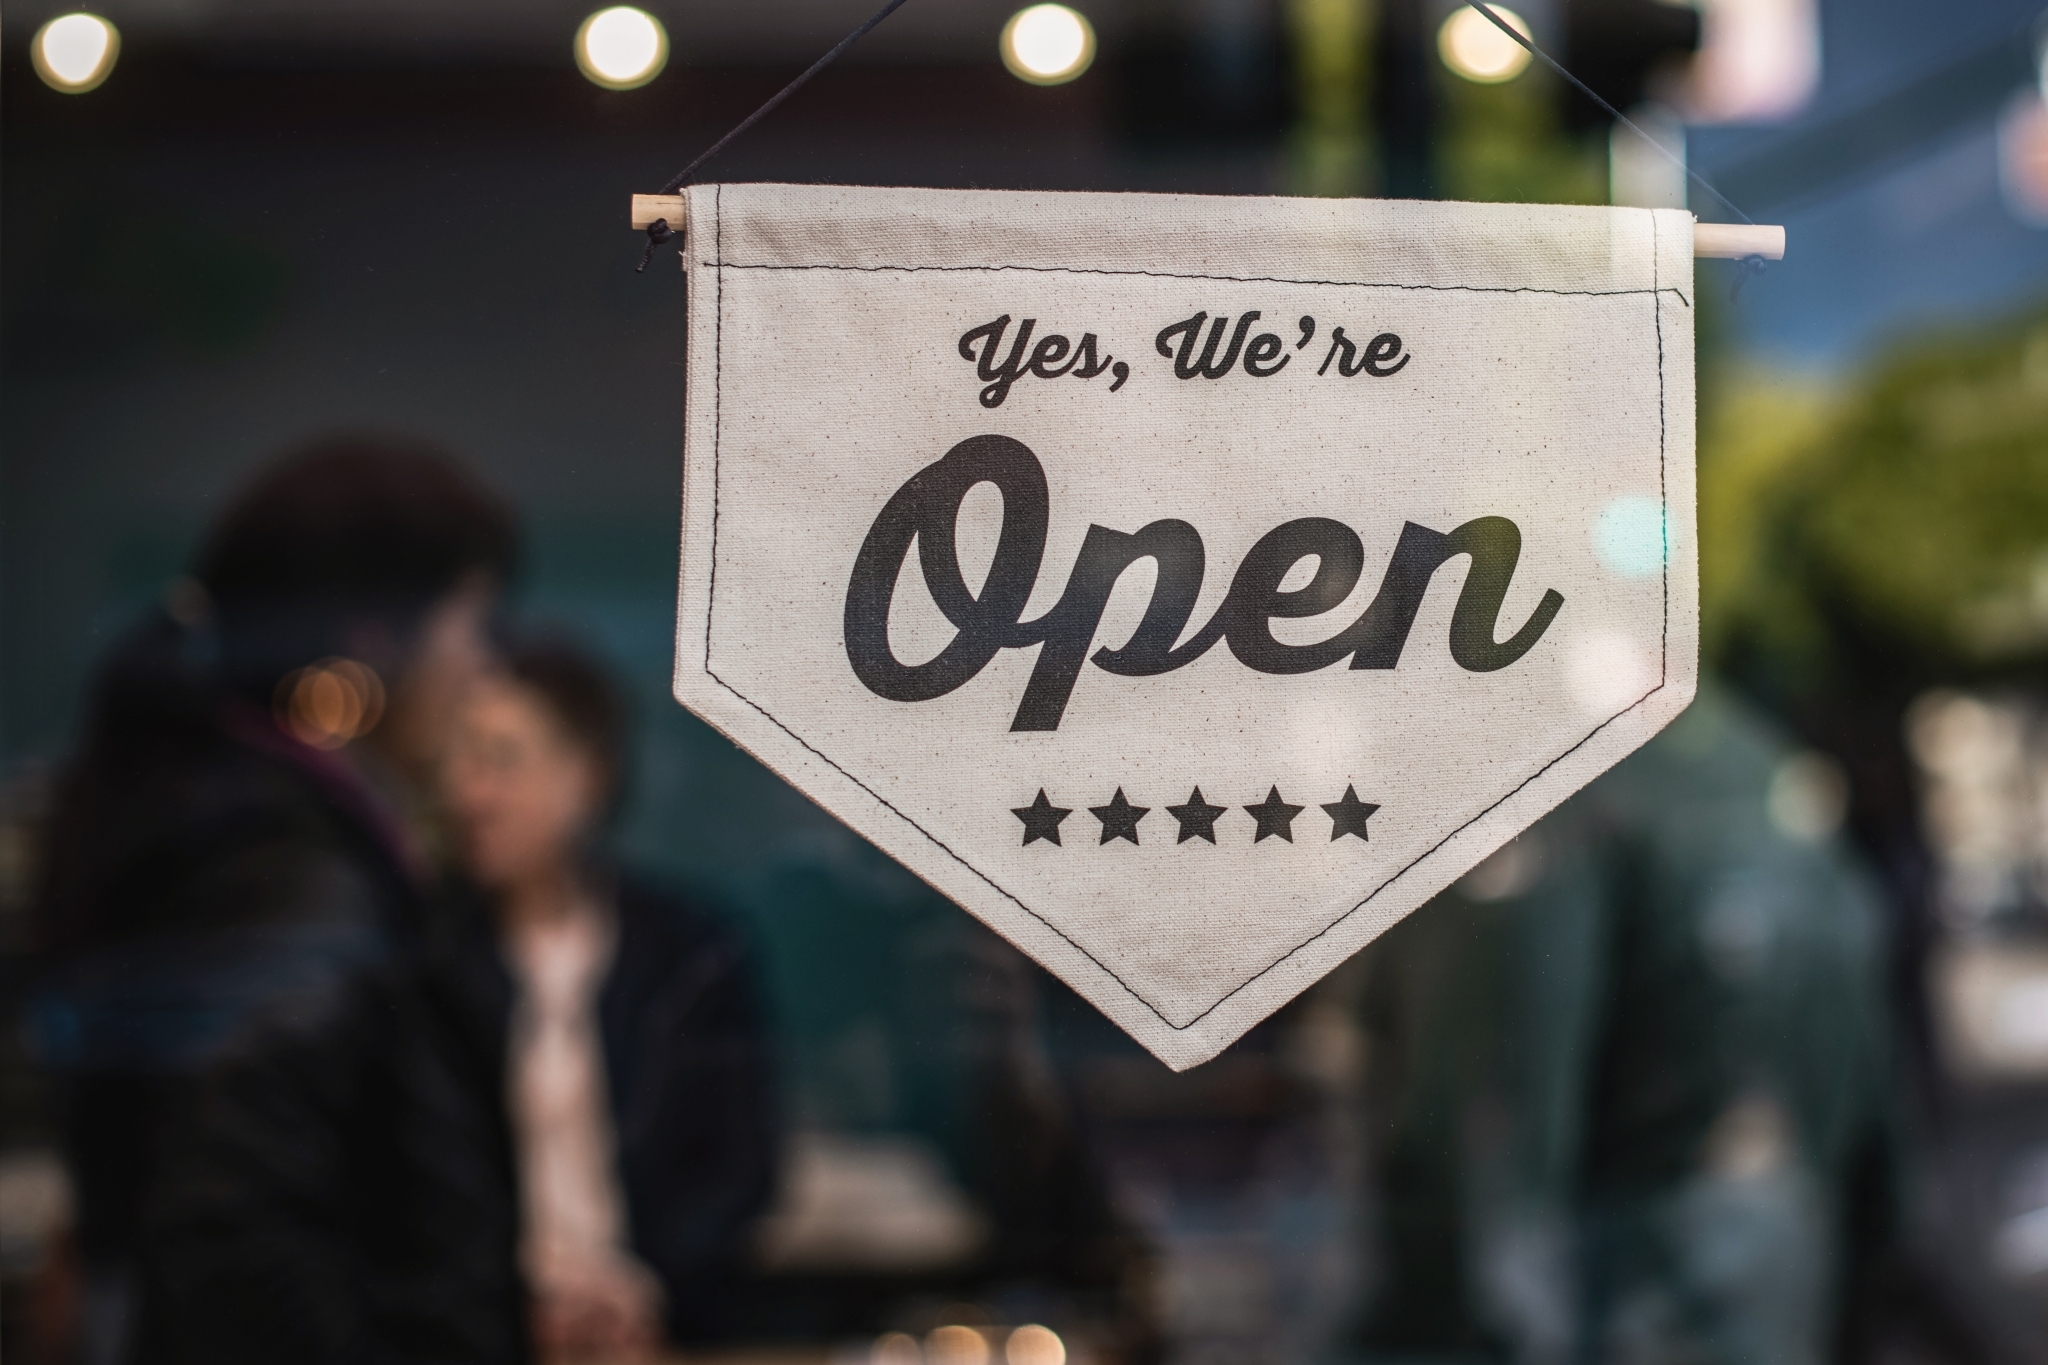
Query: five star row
[1197,817]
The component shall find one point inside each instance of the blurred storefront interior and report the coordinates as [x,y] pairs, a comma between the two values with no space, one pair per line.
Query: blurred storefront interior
[270,220]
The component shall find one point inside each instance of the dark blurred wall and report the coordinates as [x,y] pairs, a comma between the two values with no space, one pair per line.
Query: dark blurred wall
[206,261]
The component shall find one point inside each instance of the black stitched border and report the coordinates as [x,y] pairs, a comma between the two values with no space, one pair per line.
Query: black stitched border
[1655,293]
[1229,279]
[1663,439]
[717,405]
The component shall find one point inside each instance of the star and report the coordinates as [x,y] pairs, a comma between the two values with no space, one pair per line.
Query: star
[1274,816]
[1119,818]
[1197,818]
[1041,818]
[1349,815]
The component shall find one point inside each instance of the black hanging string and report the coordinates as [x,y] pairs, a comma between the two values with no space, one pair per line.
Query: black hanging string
[1615,113]
[1751,265]
[1748,268]
[659,231]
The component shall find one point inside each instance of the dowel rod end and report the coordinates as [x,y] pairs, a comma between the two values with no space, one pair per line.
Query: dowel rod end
[648,207]
[1737,241]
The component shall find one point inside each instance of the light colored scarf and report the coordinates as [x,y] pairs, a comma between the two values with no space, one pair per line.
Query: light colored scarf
[572,1206]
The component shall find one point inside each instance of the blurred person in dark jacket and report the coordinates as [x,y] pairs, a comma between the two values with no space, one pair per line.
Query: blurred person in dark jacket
[235,836]
[543,1133]
[637,1071]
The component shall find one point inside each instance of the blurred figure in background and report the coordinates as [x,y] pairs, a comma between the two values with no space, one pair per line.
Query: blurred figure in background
[541,1133]
[637,1072]
[236,834]
[1631,1081]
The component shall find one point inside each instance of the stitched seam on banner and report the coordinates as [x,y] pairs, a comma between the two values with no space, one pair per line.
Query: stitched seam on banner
[717,469]
[1663,667]
[941,843]
[1663,444]
[1107,970]
[1247,983]
[1227,279]
[1419,858]
[717,398]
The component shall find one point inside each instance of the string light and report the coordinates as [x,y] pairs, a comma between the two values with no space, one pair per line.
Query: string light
[621,48]
[75,52]
[1473,47]
[1048,44]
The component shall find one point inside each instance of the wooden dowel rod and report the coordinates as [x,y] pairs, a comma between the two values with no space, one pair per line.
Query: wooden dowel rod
[1735,241]
[648,207]
[1721,241]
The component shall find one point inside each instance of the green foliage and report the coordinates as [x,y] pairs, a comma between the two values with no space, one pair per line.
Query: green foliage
[1330,152]
[1911,513]
[1757,440]
[1507,144]
[1502,143]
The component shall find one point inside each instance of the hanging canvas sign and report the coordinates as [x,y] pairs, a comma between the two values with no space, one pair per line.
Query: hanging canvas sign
[1190,588]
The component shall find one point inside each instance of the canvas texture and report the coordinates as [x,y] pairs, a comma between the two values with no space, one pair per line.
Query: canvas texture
[1189,588]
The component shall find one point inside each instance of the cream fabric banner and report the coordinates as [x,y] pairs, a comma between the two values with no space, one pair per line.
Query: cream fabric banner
[1190,588]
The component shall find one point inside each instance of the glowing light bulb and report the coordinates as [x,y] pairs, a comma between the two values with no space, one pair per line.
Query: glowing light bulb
[1473,47]
[75,52]
[621,48]
[1048,44]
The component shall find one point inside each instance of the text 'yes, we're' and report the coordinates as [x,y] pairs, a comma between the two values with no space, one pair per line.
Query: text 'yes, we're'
[1197,347]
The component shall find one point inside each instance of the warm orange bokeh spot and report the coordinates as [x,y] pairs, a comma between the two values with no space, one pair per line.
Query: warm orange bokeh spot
[330,703]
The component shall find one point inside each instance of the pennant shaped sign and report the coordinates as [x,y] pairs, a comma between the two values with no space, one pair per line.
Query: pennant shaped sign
[1190,588]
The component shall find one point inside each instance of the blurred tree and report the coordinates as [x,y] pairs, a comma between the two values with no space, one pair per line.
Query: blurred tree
[1861,545]
[1378,112]
[1756,435]
[1909,519]
[1508,143]
[1332,151]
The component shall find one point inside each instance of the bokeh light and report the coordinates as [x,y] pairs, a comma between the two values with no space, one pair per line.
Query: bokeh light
[2023,159]
[1632,536]
[75,52]
[1048,44]
[621,48]
[330,703]
[1809,797]
[1758,61]
[1606,670]
[896,1348]
[1474,47]
[1034,1345]
[955,1345]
